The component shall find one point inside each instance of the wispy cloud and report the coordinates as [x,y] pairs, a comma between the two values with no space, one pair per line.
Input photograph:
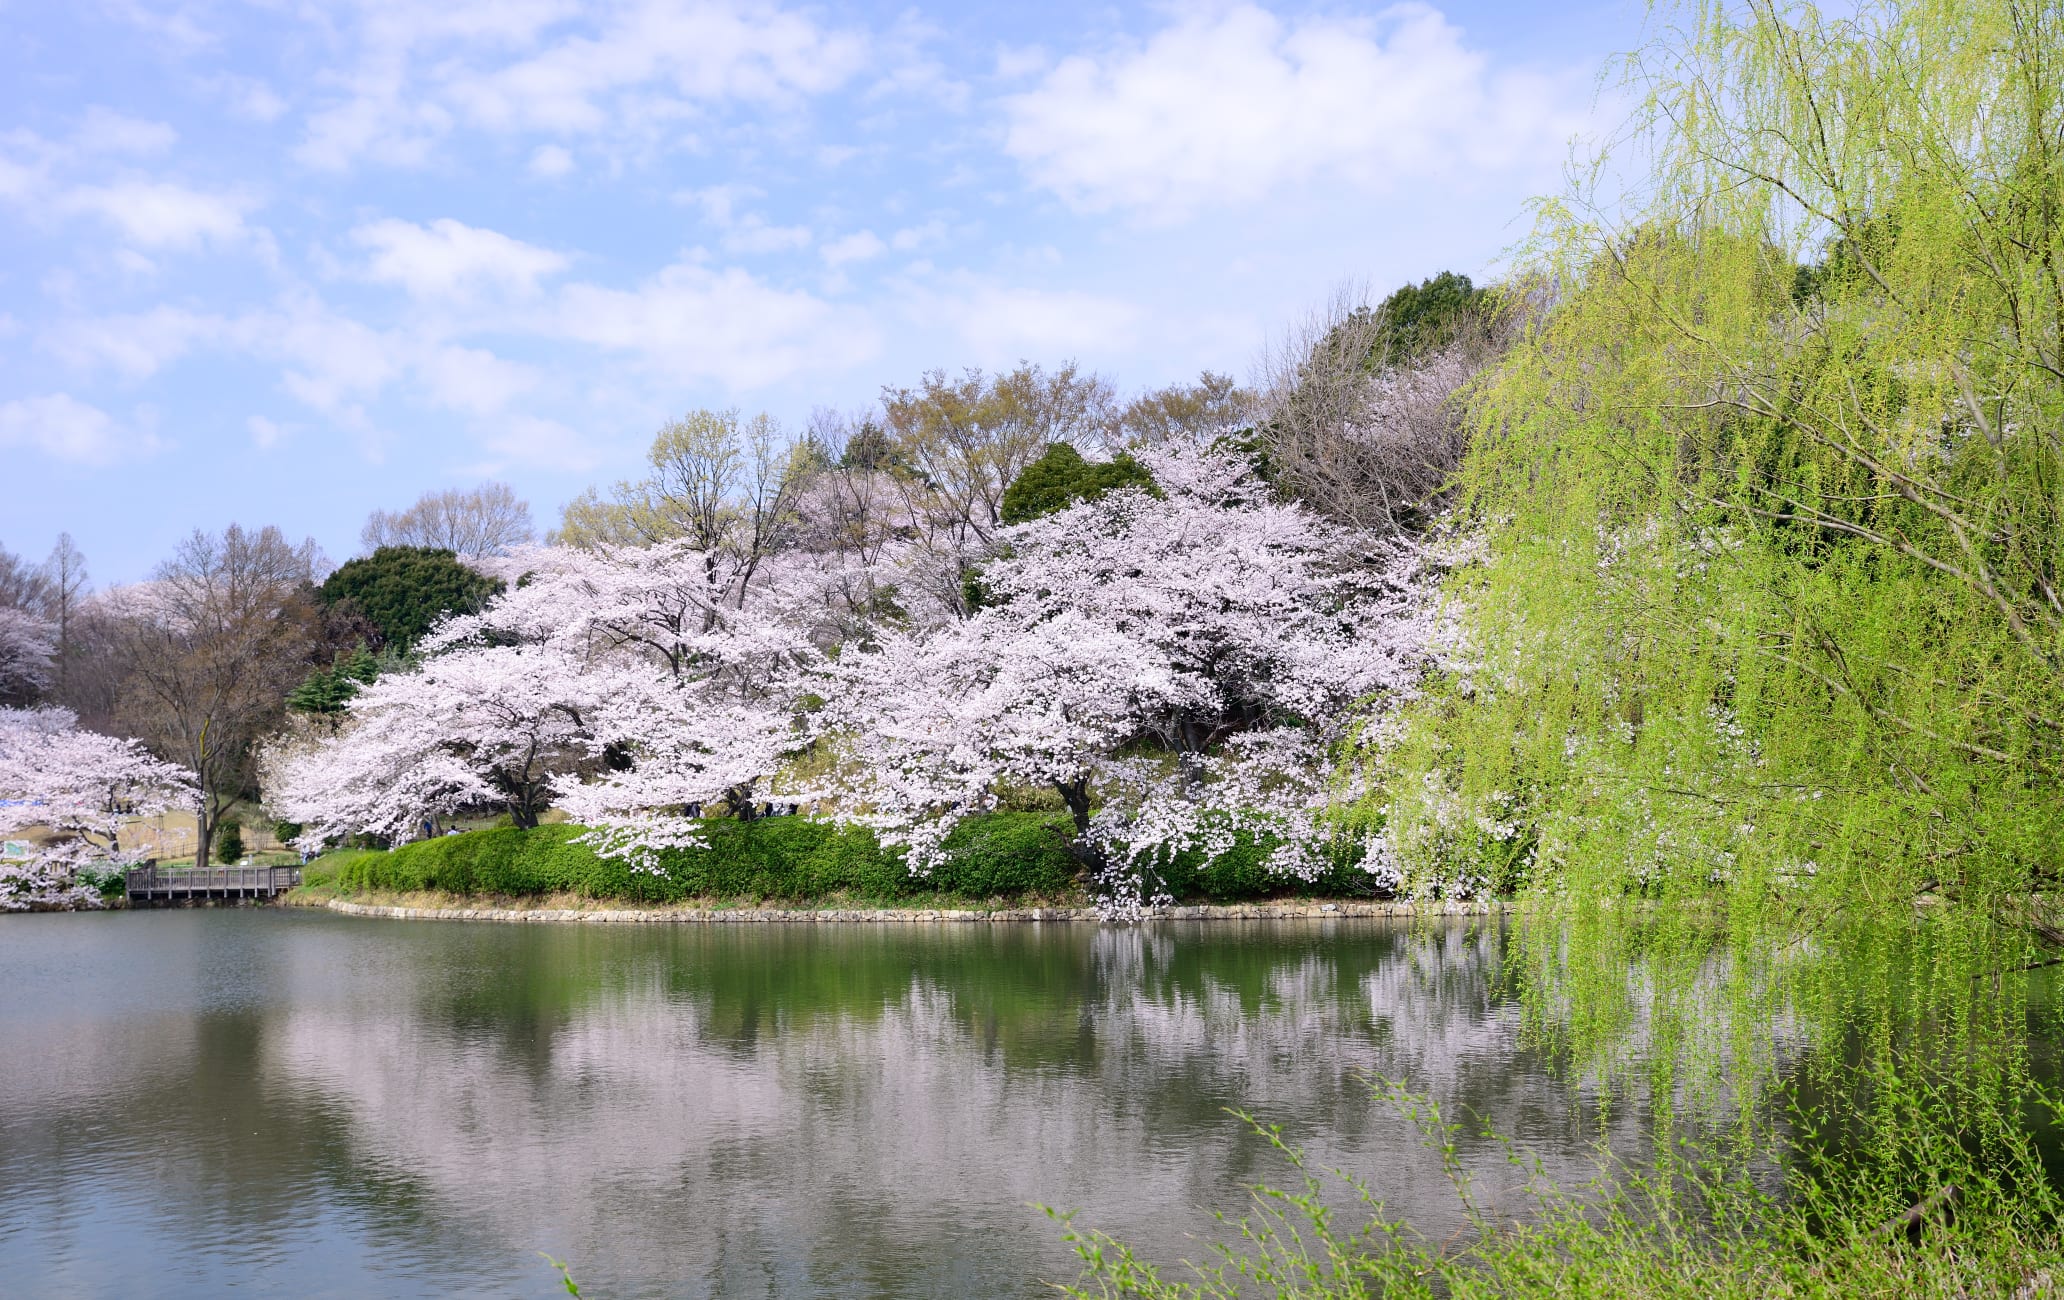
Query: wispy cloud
[447,259]
[1227,106]
[64,428]
[633,68]
[723,326]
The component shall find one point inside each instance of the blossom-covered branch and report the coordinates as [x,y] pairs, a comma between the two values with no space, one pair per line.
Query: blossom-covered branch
[77,789]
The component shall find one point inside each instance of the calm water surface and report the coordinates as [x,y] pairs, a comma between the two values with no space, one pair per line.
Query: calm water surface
[282,1102]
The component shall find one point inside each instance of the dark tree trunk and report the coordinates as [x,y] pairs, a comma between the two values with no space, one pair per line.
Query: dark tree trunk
[204,832]
[1075,794]
[740,801]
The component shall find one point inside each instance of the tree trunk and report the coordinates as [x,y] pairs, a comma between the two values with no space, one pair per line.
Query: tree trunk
[740,801]
[1076,795]
[204,831]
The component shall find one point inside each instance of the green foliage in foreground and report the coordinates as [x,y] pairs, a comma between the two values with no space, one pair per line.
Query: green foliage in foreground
[1803,1092]
[1905,1208]
[787,859]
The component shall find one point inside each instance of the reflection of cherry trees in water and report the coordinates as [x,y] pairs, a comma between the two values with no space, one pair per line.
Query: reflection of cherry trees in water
[687,1108]
[697,1109]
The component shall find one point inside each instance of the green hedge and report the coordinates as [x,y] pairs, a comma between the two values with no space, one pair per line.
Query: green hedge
[786,859]
[782,858]
[1241,872]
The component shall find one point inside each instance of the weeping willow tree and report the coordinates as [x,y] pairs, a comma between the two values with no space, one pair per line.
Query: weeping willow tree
[1764,696]
[1774,488]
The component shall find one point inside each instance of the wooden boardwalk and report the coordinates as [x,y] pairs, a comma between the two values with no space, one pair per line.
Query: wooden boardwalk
[151,884]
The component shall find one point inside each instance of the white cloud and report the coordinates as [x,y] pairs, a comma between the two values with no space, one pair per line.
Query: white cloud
[18,181]
[328,360]
[64,428]
[1229,105]
[332,362]
[719,203]
[380,121]
[693,322]
[550,161]
[639,68]
[1016,62]
[1001,324]
[472,379]
[856,247]
[533,440]
[752,234]
[161,214]
[41,177]
[744,232]
[664,51]
[265,435]
[448,259]
[137,345]
[106,131]
[170,25]
[247,97]
[913,237]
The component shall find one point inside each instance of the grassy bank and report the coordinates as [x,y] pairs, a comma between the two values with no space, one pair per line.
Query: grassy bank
[1014,858]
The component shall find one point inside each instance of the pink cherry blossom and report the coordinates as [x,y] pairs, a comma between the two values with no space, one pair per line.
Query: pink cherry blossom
[79,788]
[1175,667]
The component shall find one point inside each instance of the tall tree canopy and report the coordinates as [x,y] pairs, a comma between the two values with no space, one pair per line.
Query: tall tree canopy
[1772,592]
[209,649]
[487,520]
[404,590]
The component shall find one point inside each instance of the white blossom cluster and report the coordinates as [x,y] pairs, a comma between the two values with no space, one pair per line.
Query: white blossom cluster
[73,790]
[1177,665]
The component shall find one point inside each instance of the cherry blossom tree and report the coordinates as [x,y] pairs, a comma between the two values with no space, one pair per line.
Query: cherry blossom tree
[28,643]
[483,726]
[1178,664]
[78,787]
[1175,667]
[626,683]
[702,679]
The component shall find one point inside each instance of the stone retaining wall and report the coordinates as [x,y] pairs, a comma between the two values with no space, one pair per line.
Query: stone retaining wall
[750,915]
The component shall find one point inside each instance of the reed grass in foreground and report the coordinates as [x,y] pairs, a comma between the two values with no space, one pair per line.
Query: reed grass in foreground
[1910,1197]
[1867,1107]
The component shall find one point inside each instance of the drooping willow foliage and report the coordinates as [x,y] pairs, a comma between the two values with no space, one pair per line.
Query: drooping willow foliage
[1774,487]
[1764,695]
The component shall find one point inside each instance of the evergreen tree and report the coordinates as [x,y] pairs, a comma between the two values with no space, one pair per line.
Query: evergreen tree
[1062,477]
[404,590]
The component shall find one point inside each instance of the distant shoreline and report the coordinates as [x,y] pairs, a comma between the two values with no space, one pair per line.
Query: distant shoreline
[704,914]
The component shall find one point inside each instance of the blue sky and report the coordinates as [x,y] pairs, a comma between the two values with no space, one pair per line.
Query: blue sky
[281,261]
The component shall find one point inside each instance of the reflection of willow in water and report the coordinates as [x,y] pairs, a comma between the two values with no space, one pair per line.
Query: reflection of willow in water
[1691,1023]
[808,1103]
[1717,1015]
[1863,1106]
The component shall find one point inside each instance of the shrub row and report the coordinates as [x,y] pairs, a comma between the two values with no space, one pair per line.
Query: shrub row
[786,859]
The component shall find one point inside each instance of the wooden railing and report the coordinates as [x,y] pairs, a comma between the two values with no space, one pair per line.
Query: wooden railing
[153,882]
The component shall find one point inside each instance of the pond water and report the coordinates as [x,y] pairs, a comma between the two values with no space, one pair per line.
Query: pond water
[284,1102]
